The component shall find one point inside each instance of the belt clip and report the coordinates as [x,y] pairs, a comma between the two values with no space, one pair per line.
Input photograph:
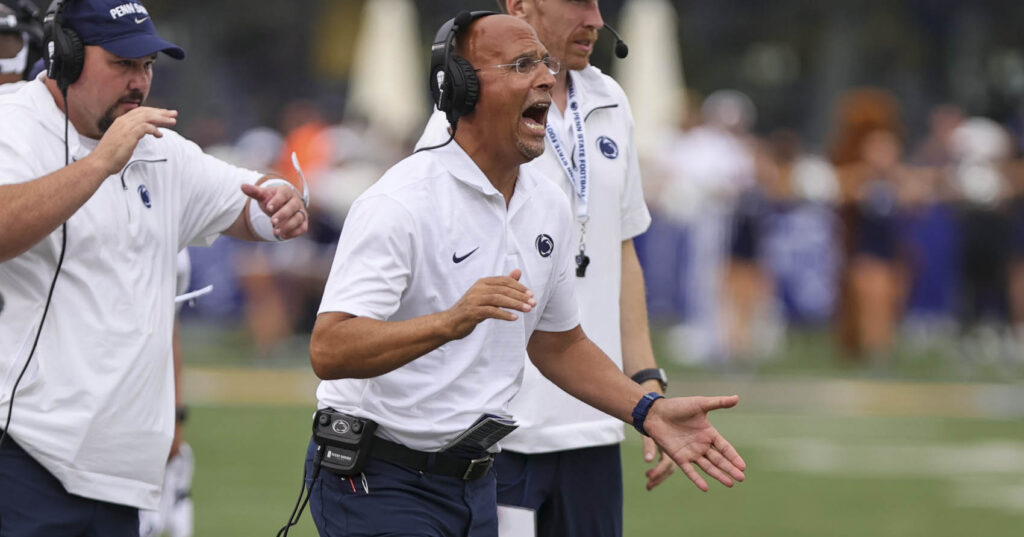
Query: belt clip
[478,468]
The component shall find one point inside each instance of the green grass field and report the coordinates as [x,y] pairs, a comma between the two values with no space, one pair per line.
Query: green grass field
[926,444]
[809,475]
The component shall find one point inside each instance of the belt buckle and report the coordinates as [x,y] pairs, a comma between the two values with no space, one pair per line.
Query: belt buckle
[481,465]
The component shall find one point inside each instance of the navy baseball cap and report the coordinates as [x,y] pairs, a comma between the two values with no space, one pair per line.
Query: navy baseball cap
[121,27]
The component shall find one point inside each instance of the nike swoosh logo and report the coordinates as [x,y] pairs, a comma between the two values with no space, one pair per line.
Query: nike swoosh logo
[142,20]
[457,259]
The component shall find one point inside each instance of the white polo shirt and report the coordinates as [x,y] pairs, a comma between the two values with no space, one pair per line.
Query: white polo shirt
[12,87]
[96,405]
[412,245]
[550,419]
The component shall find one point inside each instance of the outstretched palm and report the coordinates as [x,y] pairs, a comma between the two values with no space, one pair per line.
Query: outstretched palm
[680,426]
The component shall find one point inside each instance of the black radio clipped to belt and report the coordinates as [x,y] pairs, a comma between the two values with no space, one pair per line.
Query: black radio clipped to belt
[343,440]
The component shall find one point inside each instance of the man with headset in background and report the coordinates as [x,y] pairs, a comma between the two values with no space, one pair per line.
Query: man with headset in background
[97,196]
[21,42]
[447,269]
[560,473]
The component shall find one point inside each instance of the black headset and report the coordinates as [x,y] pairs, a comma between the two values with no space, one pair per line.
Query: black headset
[453,81]
[65,53]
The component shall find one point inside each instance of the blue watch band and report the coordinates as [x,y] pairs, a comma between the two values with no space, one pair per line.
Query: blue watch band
[641,409]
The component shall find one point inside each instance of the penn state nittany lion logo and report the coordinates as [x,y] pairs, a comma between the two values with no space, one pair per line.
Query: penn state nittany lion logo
[144,194]
[608,147]
[545,245]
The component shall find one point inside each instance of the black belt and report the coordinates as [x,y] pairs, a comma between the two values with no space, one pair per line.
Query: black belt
[432,463]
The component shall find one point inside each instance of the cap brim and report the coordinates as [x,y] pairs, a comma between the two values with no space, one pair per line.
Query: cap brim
[141,45]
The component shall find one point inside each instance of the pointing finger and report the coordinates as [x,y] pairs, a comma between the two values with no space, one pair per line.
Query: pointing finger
[252,191]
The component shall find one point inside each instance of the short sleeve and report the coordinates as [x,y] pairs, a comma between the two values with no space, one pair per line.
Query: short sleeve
[373,263]
[562,312]
[211,191]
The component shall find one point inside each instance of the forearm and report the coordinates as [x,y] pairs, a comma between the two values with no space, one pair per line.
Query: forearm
[343,346]
[637,353]
[578,366]
[31,210]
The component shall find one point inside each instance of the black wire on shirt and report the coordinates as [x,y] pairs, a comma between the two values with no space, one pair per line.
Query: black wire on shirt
[53,283]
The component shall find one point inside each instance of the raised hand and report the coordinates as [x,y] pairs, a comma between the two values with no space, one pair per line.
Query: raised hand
[490,298]
[283,204]
[118,143]
[681,427]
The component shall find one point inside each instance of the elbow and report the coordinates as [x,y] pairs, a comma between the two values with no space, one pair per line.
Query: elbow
[328,363]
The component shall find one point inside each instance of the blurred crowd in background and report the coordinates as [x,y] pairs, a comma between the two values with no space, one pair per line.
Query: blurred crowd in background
[851,168]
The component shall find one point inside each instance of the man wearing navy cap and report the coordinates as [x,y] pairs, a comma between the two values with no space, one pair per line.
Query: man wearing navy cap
[97,196]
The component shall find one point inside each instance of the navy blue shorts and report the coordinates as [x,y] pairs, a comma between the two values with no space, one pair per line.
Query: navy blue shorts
[34,504]
[575,493]
[391,499]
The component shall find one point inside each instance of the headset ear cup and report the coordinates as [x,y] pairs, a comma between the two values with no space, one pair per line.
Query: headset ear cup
[73,57]
[470,86]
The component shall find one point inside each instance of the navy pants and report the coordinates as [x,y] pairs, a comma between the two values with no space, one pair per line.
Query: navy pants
[34,504]
[391,499]
[575,493]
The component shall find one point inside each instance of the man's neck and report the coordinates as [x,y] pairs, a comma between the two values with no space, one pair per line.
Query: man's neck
[560,91]
[499,171]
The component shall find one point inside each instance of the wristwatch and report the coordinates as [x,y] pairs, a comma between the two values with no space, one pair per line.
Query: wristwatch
[181,414]
[654,373]
[641,410]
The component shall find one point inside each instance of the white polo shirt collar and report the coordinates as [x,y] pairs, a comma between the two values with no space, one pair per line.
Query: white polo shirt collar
[458,163]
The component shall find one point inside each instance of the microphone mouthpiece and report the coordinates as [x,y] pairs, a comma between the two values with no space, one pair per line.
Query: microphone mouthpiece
[621,49]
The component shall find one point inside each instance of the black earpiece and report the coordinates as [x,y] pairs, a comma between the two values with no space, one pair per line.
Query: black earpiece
[453,81]
[621,48]
[64,52]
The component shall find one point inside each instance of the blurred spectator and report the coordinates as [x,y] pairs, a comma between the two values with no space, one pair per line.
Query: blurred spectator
[747,291]
[981,149]
[867,154]
[707,167]
[1016,174]
[930,233]
[800,243]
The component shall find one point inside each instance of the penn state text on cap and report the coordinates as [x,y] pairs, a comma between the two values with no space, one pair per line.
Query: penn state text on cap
[121,28]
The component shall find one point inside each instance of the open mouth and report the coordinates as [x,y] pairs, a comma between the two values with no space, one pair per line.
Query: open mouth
[536,115]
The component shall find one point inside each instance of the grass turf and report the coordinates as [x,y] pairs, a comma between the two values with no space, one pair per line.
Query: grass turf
[808,476]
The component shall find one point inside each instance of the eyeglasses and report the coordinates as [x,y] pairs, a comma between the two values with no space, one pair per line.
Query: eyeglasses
[525,66]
